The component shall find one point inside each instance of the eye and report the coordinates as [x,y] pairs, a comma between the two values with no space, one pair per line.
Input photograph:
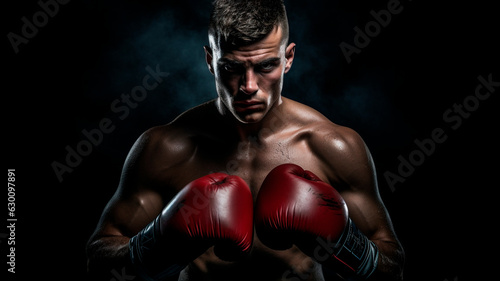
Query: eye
[228,67]
[267,66]
[232,67]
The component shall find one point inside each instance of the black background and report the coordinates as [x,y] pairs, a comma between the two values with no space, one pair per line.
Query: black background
[395,91]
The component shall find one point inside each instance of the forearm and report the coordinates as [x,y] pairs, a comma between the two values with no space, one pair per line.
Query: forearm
[356,257]
[390,262]
[107,255]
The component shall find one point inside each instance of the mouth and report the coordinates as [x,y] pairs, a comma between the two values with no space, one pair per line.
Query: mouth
[247,105]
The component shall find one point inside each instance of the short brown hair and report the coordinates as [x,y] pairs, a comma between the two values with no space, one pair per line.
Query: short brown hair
[244,22]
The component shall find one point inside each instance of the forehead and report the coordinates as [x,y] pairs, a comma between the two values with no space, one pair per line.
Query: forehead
[268,47]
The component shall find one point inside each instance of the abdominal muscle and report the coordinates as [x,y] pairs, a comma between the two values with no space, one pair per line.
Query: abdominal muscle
[262,264]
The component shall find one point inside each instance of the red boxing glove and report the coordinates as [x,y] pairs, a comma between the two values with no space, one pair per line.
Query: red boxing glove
[295,207]
[216,209]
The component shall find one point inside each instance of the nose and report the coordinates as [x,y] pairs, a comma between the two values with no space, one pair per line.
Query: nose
[249,83]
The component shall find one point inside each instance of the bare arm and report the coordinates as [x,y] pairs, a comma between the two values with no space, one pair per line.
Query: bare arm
[132,207]
[108,247]
[350,169]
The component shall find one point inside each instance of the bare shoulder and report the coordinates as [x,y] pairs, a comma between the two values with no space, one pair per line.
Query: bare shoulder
[173,139]
[148,178]
[341,149]
[322,130]
[160,148]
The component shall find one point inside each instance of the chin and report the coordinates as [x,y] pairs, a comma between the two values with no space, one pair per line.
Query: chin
[251,118]
[248,120]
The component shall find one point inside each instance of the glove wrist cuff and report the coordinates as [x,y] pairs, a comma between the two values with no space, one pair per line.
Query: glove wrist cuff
[146,260]
[354,255]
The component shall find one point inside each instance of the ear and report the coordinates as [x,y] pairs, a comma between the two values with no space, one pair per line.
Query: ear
[289,55]
[209,58]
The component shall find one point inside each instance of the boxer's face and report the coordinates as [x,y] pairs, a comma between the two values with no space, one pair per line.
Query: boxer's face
[249,79]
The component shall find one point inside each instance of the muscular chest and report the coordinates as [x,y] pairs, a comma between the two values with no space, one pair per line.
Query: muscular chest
[253,160]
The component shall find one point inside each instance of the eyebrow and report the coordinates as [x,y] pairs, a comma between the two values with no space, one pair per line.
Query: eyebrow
[237,62]
[229,61]
[269,60]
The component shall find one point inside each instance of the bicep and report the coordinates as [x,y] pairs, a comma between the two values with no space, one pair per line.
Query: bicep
[353,170]
[369,214]
[122,218]
[127,215]
[362,197]
[135,203]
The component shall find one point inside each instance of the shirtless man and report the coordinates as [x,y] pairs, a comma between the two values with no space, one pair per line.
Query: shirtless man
[178,215]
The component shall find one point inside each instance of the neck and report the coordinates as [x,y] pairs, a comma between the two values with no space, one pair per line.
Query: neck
[271,122]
